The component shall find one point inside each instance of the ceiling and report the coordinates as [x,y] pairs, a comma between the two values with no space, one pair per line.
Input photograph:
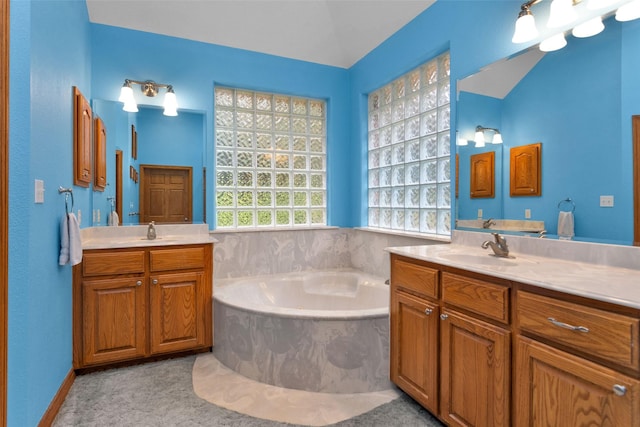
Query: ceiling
[330,32]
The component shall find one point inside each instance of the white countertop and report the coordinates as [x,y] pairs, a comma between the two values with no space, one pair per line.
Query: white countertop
[604,283]
[136,236]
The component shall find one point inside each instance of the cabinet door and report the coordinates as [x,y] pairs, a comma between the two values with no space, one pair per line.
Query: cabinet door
[414,348]
[475,369]
[100,140]
[525,173]
[82,139]
[113,319]
[554,388]
[177,309]
[483,175]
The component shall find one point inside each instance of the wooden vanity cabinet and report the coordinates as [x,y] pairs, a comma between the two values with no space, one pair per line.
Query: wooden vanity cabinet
[136,303]
[455,364]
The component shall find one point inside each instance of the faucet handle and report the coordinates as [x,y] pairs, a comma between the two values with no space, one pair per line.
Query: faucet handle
[499,239]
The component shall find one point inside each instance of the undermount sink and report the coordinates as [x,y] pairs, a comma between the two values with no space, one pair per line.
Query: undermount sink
[487,259]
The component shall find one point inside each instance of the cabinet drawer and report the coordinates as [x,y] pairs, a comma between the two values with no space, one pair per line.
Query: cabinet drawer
[480,297]
[106,263]
[176,259]
[415,277]
[609,336]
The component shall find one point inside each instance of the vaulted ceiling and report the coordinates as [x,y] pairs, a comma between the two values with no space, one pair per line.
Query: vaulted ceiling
[330,32]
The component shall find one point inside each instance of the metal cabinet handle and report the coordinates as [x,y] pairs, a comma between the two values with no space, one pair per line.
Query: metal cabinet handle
[444,316]
[428,311]
[568,326]
[619,390]
[139,283]
[154,281]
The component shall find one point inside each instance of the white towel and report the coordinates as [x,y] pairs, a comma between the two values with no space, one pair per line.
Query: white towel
[565,225]
[113,219]
[70,242]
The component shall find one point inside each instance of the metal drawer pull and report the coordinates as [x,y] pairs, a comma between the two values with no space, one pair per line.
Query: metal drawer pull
[619,390]
[428,311]
[139,283]
[154,281]
[444,316]
[568,326]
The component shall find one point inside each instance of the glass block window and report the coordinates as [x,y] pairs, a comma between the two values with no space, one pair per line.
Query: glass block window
[409,151]
[270,160]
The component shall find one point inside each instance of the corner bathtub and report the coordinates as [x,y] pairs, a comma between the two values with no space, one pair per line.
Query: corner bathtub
[322,331]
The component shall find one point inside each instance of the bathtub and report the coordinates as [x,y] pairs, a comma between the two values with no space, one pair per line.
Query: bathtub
[322,331]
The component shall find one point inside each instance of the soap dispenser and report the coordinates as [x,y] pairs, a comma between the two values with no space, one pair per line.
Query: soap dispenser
[151,231]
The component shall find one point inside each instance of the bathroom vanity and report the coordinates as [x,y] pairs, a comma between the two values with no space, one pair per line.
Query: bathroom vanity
[135,298]
[486,341]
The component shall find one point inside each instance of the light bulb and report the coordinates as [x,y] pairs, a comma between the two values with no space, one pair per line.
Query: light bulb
[553,43]
[462,142]
[629,11]
[589,28]
[561,13]
[497,138]
[130,107]
[479,138]
[170,104]
[525,28]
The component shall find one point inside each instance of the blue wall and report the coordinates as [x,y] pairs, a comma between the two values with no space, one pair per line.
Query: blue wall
[49,54]
[194,68]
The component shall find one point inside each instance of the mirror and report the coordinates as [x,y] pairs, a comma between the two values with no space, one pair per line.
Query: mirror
[161,141]
[578,103]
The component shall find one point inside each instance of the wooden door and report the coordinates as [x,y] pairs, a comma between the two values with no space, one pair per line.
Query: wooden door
[414,348]
[113,319]
[177,318]
[100,155]
[119,179]
[554,388]
[475,372]
[165,194]
[483,175]
[525,170]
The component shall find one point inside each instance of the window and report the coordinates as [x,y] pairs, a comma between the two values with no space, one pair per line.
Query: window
[409,151]
[270,160]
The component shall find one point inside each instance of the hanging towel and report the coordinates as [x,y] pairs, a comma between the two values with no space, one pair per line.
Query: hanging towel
[113,219]
[565,225]
[70,242]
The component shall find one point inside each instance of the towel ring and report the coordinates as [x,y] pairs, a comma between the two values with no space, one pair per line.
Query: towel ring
[67,192]
[567,200]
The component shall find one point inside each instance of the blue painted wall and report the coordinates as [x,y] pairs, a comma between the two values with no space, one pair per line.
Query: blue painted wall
[194,68]
[49,54]
[475,110]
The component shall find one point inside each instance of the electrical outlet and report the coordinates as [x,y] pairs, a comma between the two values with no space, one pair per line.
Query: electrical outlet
[527,213]
[479,213]
[606,201]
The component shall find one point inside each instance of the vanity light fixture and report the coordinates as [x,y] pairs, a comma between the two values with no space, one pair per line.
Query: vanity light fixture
[150,89]
[479,137]
[525,24]
[562,14]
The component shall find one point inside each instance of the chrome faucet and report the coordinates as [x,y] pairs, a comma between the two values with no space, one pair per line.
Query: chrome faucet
[500,247]
[488,223]
[151,231]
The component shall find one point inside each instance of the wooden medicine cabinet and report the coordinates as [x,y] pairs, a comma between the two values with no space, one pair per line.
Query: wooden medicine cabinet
[525,171]
[100,151]
[483,175]
[82,118]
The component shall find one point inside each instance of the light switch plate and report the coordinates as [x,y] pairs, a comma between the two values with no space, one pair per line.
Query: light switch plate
[606,201]
[527,213]
[39,191]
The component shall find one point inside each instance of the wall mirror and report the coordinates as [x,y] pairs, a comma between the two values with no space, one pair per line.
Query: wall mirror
[163,143]
[578,102]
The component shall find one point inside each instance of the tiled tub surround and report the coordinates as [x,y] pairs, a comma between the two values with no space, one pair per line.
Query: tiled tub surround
[306,332]
[607,273]
[257,253]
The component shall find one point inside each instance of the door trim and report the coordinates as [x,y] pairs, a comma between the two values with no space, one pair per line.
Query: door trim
[635,125]
[4,204]
[119,180]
